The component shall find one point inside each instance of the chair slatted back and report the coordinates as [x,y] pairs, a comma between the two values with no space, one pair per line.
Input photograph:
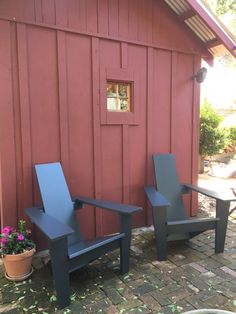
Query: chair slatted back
[168,184]
[56,197]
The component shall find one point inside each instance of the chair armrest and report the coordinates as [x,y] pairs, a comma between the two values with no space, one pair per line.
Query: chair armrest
[222,196]
[185,189]
[155,198]
[115,207]
[51,227]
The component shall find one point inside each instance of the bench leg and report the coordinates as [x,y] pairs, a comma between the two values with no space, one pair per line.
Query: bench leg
[160,230]
[125,227]
[222,212]
[60,270]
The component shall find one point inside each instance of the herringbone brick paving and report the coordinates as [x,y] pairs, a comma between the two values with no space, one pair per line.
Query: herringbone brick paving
[193,277]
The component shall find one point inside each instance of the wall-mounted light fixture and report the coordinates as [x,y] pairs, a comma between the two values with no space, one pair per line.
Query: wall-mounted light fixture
[200,75]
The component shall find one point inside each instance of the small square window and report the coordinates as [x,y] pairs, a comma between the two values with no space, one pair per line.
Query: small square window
[118,96]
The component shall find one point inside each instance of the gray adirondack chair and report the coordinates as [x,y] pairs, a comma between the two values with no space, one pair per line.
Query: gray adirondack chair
[169,215]
[57,220]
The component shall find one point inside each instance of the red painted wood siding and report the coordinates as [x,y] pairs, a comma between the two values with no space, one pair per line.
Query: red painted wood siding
[147,21]
[51,59]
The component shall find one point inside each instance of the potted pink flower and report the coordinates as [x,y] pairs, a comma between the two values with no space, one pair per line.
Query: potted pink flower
[17,250]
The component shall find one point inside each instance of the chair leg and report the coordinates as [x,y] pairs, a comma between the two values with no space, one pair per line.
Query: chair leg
[160,230]
[60,270]
[222,212]
[125,226]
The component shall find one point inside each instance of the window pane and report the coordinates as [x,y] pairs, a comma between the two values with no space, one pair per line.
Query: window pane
[123,103]
[118,96]
[123,90]
[111,90]
[112,103]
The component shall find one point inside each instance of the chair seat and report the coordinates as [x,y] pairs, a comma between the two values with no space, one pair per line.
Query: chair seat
[82,247]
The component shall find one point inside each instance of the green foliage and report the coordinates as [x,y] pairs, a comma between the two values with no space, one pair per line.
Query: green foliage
[212,138]
[225,10]
[225,6]
[232,135]
[222,6]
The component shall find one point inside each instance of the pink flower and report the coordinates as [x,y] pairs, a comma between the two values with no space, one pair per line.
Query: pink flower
[3,240]
[7,230]
[20,237]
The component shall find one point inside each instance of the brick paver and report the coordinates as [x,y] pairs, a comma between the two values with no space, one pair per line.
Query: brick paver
[193,277]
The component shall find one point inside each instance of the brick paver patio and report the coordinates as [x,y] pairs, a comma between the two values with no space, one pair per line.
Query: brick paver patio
[193,277]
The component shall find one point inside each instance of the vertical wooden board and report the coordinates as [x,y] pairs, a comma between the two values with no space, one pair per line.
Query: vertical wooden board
[156,14]
[82,15]
[73,14]
[163,33]
[49,11]
[80,111]
[7,143]
[110,55]
[92,16]
[111,142]
[195,134]
[160,125]
[81,174]
[133,19]
[96,133]
[161,113]
[113,19]
[181,137]
[103,22]
[150,21]
[195,118]
[125,137]
[123,18]
[63,100]
[137,59]
[26,9]
[61,12]
[23,9]
[150,102]
[43,78]
[125,164]
[143,20]
[38,11]
[77,14]
[25,116]
[124,55]
[17,120]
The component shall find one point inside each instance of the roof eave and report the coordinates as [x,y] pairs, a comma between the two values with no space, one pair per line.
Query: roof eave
[212,23]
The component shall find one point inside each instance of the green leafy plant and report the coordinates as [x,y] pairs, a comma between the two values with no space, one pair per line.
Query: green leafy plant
[232,135]
[15,240]
[212,137]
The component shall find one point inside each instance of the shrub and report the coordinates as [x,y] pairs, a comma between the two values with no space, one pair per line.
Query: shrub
[212,137]
[232,135]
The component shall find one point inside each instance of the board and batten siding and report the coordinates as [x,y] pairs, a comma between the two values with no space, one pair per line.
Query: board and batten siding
[52,56]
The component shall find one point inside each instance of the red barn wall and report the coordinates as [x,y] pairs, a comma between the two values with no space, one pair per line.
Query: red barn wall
[52,57]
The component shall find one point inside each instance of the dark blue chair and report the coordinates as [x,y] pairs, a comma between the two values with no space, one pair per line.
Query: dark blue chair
[169,215]
[57,220]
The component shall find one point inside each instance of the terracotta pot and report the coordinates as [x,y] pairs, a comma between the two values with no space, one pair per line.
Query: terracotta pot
[18,266]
